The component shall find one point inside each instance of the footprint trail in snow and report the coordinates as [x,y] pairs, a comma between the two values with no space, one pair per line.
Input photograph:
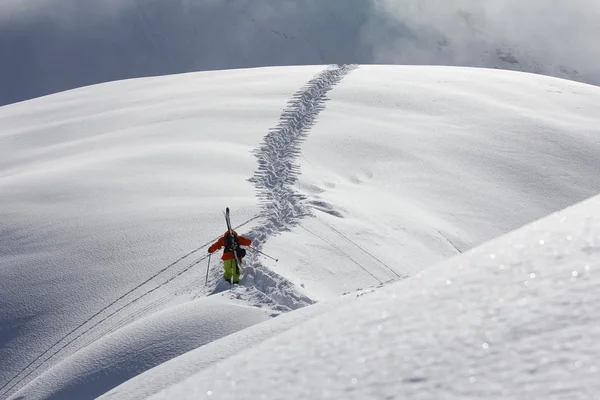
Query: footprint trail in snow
[282,206]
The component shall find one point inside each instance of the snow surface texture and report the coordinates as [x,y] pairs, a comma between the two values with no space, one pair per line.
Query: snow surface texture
[86,246]
[178,369]
[111,192]
[282,205]
[52,45]
[422,164]
[141,345]
[515,318]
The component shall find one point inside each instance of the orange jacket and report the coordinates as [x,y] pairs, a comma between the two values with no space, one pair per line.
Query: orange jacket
[228,255]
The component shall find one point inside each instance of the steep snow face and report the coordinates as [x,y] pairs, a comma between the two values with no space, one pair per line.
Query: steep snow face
[350,176]
[514,318]
[53,45]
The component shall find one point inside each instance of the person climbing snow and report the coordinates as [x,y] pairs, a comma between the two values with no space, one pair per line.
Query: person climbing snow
[231,271]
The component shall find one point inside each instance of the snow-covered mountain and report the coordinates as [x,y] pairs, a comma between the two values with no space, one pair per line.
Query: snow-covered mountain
[351,176]
[53,45]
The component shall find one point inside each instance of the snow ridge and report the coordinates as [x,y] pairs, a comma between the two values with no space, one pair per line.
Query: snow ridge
[282,205]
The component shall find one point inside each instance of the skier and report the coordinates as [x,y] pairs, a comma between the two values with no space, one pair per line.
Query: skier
[231,269]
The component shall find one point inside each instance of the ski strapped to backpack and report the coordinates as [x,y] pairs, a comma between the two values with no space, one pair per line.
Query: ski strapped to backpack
[234,246]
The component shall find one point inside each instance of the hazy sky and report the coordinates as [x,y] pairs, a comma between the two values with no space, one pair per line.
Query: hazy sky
[52,45]
[566,30]
[563,30]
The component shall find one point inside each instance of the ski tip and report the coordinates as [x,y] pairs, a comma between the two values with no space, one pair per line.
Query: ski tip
[227,209]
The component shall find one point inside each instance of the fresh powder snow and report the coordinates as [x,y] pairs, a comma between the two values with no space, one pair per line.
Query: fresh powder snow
[141,345]
[353,177]
[515,318]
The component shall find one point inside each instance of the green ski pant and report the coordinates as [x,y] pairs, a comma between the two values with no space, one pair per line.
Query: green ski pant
[231,270]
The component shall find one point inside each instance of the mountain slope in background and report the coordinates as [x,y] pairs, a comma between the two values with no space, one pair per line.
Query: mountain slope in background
[353,176]
[53,45]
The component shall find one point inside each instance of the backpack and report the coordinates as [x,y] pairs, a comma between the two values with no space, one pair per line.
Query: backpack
[229,246]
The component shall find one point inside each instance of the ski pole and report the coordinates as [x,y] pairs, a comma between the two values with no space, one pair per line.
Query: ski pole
[207,268]
[266,255]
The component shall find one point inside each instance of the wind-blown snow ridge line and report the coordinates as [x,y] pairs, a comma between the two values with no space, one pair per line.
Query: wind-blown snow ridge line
[282,206]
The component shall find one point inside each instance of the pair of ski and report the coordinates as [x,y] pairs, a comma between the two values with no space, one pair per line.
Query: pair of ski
[235,254]
[232,238]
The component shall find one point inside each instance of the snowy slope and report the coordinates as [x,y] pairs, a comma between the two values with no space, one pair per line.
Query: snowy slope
[141,345]
[424,163]
[179,368]
[100,193]
[352,177]
[514,318]
[51,45]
